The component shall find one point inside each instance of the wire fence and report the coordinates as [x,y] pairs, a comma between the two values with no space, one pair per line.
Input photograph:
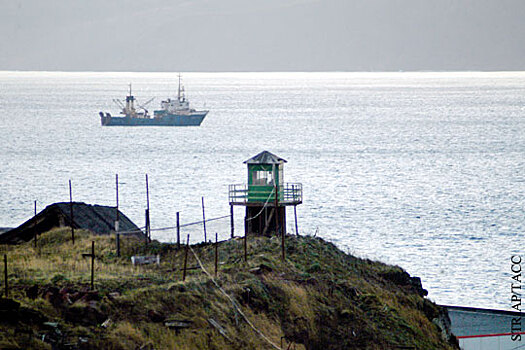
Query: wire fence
[234,303]
[147,229]
[189,224]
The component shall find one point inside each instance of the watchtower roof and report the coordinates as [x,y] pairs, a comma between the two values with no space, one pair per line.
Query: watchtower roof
[265,157]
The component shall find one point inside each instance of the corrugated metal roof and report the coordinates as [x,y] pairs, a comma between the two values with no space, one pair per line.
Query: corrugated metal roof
[265,157]
[469,321]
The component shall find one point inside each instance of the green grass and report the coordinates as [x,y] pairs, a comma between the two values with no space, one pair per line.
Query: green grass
[318,298]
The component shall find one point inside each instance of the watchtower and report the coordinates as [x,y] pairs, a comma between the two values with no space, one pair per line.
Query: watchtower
[265,195]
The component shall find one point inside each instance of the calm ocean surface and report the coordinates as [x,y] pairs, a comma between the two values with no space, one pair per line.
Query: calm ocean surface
[421,170]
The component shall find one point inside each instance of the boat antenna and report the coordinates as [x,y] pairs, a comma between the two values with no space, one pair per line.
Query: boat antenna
[130,89]
[178,94]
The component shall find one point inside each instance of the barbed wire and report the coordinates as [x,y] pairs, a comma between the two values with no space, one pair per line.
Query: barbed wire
[141,229]
[189,224]
[233,301]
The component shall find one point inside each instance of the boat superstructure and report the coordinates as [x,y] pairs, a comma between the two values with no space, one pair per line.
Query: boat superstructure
[179,107]
[128,111]
[173,112]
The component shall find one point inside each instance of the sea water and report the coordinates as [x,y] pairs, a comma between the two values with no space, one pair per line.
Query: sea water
[421,170]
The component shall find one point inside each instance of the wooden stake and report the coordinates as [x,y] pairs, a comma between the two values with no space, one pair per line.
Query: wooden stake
[116,212]
[246,247]
[117,217]
[148,224]
[295,215]
[276,211]
[186,258]
[231,221]
[71,213]
[216,253]
[5,276]
[204,220]
[118,245]
[283,229]
[147,192]
[178,229]
[92,265]
[92,256]
[34,228]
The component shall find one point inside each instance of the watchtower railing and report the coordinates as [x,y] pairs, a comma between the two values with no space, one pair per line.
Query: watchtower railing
[243,194]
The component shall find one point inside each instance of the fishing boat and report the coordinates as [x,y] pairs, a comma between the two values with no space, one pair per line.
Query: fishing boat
[173,112]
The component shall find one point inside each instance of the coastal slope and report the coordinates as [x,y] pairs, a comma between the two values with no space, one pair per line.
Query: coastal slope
[317,298]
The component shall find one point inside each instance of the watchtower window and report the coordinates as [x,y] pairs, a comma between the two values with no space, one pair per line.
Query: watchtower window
[262,178]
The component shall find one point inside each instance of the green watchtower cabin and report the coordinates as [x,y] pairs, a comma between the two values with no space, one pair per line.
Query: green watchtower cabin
[265,214]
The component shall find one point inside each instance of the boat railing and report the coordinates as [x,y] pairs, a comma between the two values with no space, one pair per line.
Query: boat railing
[244,194]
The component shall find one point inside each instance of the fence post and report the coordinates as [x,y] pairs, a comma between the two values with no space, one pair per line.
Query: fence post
[118,245]
[283,229]
[92,265]
[246,247]
[203,219]
[186,258]
[71,213]
[5,276]
[117,235]
[295,215]
[216,253]
[116,194]
[231,221]
[148,224]
[276,211]
[34,227]
[178,229]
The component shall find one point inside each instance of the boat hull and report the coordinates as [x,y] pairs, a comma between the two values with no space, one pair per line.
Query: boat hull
[165,119]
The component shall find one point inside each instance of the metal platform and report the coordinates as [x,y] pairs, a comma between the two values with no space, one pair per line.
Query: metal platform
[257,195]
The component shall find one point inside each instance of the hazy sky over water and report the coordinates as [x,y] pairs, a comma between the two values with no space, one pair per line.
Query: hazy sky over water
[262,35]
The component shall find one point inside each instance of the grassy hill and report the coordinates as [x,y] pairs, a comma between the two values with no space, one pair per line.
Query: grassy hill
[319,298]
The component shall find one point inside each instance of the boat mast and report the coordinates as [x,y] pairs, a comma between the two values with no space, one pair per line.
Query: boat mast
[130,108]
[178,94]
